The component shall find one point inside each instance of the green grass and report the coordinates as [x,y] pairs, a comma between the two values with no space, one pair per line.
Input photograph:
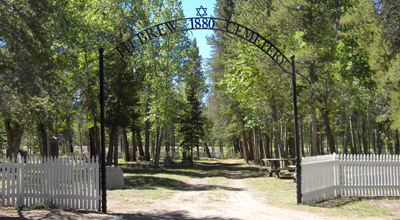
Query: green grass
[217,181]
[207,207]
[150,194]
[134,202]
[210,200]
[156,179]
[283,193]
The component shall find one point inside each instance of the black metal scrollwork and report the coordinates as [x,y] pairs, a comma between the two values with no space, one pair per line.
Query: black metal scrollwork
[200,23]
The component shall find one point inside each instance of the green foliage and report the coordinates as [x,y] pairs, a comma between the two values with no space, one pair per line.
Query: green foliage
[347,66]
[191,121]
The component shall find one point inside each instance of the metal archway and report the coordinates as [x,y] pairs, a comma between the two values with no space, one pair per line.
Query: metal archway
[129,46]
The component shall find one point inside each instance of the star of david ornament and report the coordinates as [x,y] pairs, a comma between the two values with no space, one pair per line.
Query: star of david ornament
[204,11]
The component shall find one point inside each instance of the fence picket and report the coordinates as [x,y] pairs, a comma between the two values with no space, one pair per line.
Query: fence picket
[62,182]
[350,175]
[67,182]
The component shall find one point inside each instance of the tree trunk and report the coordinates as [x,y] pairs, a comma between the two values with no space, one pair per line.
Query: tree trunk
[320,142]
[388,141]
[167,148]
[371,138]
[173,143]
[147,135]
[256,146]
[345,134]
[221,149]
[251,147]
[140,143]
[134,147]
[40,144]
[80,135]
[43,137]
[378,139]
[110,146]
[245,151]
[71,147]
[364,140]
[87,137]
[314,136]
[96,135]
[358,125]
[236,145]
[160,133]
[153,142]
[14,134]
[207,150]
[292,147]
[284,138]
[353,140]
[277,140]
[396,142]
[116,137]
[328,132]
[267,151]
[92,143]
[271,148]
[261,148]
[126,144]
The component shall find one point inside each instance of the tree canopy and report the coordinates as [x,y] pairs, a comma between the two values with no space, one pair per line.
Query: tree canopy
[347,65]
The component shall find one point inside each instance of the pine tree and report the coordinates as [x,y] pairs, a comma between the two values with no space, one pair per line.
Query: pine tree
[191,119]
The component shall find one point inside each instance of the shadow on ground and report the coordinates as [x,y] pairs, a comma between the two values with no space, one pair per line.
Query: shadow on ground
[141,182]
[204,169]
[69,215]
[148,178]
[344,200]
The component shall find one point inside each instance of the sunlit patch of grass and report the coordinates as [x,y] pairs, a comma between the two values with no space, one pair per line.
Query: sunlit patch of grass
[216,196]
[210,200]
[217,193]
[11,208]
[283,193]
[217,181]
[279,192]
[360,209]
[135,212]
[207,207]
[134,202]
[153,194]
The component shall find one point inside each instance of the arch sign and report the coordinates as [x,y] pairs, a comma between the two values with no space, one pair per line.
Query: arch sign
[201,23]
[129,46]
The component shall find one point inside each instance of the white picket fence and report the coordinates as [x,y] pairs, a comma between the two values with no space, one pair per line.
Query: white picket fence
[334,175]
[67,182]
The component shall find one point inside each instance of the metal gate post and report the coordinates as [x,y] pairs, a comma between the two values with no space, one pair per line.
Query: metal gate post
[296,133]
[103,139]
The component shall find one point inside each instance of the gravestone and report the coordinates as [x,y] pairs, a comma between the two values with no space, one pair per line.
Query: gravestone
[54,146]
[114,178]
[168,161]
[184,155]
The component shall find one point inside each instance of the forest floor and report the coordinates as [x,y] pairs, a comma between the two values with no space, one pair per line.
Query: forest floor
[217,189]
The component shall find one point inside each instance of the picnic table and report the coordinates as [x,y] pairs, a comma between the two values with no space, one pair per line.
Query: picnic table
[277,165]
